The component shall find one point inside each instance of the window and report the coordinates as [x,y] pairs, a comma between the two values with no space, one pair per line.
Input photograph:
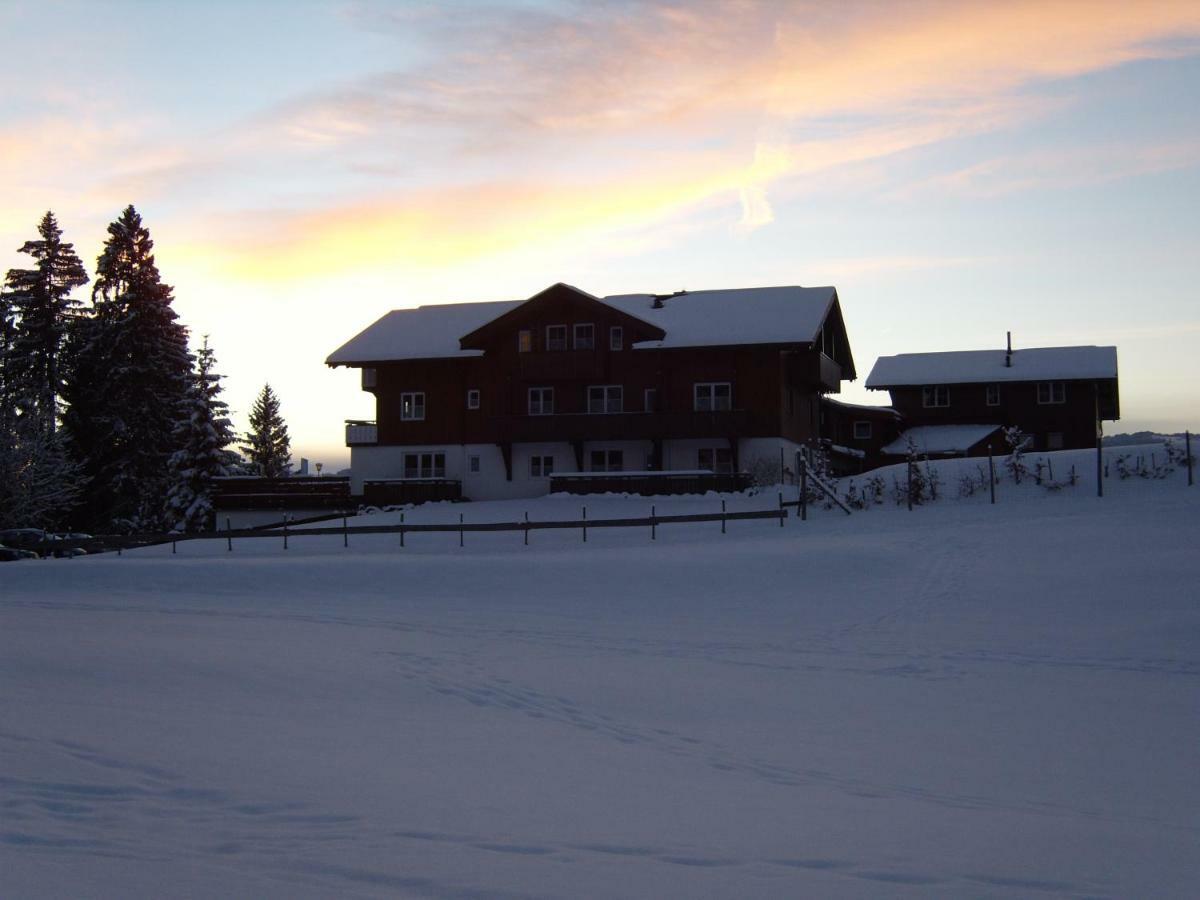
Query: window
[712,395]
[616,338]
[608,460]
[606,398]
[424,465]
[524,340]
[541,401]
[1054,440]
[556,337]
[473,464]
[862,431]
[715,459]
[541,466]
[993,395]
[1052,392]
[412,407]
[585,337]
[650,399]
[473,399]
[368,377]
[935,395]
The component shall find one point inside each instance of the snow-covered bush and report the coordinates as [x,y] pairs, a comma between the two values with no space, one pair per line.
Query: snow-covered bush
[1017,441]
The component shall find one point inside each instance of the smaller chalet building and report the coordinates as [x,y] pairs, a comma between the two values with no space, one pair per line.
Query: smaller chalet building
[499,396]
[1059,396]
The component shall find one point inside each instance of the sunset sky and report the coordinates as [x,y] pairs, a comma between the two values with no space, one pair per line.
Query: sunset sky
[956,170]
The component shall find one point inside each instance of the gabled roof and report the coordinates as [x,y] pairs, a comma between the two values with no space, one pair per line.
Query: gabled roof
[427,332]
[935,439]
[974,366]
[769,315]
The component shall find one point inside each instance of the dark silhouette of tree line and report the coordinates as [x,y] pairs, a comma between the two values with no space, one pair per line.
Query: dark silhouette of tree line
[108,421]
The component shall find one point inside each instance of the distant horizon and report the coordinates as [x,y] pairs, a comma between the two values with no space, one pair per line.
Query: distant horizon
[956,171]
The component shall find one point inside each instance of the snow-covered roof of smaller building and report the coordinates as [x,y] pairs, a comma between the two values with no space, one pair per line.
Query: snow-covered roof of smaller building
[973,366]
[767,315]
[933,439]
[427,332]
[862,407]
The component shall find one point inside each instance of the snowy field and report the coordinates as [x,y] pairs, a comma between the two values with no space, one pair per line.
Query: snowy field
[962,701]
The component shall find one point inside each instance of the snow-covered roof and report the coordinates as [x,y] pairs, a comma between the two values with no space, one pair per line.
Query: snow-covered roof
[768,315]
[940,439]
[864,407]
[771,315]
[971,366]
[427,332]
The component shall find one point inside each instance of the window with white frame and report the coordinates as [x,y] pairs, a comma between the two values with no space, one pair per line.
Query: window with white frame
[608,461]
[650,399]
[541,466]
[369,376]
[862,431]
[412,406]
[541,401]
[524,340]
[425,465]
[934,395]
[585,336]
[715,459]
[473,398]
[556,337]
[992,395]
[473,464]
[712,395]
[616,338]
[1051,392]
[606,398]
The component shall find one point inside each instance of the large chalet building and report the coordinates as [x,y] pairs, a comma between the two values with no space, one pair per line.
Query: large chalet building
[499,396]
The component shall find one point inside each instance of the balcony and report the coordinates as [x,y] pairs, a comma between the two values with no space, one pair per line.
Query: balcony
[361,433]
[633,426]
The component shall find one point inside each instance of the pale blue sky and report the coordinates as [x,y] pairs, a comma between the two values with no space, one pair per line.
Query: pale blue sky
[956,170]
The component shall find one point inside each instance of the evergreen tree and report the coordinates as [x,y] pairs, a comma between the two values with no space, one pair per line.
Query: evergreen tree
[39,483]
[40,300]
[202,434]
[267,446]
[130,375]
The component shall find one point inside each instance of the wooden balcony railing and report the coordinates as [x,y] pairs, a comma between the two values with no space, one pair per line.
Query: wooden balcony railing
[361,433]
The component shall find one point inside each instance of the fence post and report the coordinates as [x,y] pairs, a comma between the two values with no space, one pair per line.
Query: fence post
[1187,444]
[722,517]
[800,459]
[401,531]
[460,529]
[526,528]
[228,537]
[585,524]
[782,510]
[285,521]
[172,547]
[345,534]
[909,490]
[991,474]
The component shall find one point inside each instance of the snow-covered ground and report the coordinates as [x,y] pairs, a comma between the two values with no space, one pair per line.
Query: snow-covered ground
[962,701]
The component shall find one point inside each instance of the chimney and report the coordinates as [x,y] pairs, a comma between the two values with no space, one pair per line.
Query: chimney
[1008,353]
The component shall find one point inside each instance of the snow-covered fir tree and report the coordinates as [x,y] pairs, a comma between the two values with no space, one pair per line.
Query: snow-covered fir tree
[40,301]
[268,447]
[203,435]
[130,376]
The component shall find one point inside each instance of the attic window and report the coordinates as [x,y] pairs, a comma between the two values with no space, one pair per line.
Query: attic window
[556,337]
[616,338]
[473,399]
[585,337]
[1051,392]
[993,395]
[935,395]
[524,340]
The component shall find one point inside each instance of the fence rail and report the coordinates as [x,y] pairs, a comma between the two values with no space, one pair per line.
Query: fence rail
[126,542]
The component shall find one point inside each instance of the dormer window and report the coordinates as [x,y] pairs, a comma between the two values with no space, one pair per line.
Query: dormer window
[585,337]
[935,395]
[556,337]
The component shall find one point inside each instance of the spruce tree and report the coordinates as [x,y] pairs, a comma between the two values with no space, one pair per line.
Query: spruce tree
[203,433]
[40,299]
[267,445]
[130,376]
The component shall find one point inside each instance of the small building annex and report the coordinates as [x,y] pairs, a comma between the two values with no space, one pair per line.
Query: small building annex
[499,396]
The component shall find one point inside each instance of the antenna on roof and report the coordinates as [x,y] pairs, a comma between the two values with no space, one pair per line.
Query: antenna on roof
[1008,353]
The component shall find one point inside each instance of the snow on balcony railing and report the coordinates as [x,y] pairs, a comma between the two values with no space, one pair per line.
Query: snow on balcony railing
[359,433]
